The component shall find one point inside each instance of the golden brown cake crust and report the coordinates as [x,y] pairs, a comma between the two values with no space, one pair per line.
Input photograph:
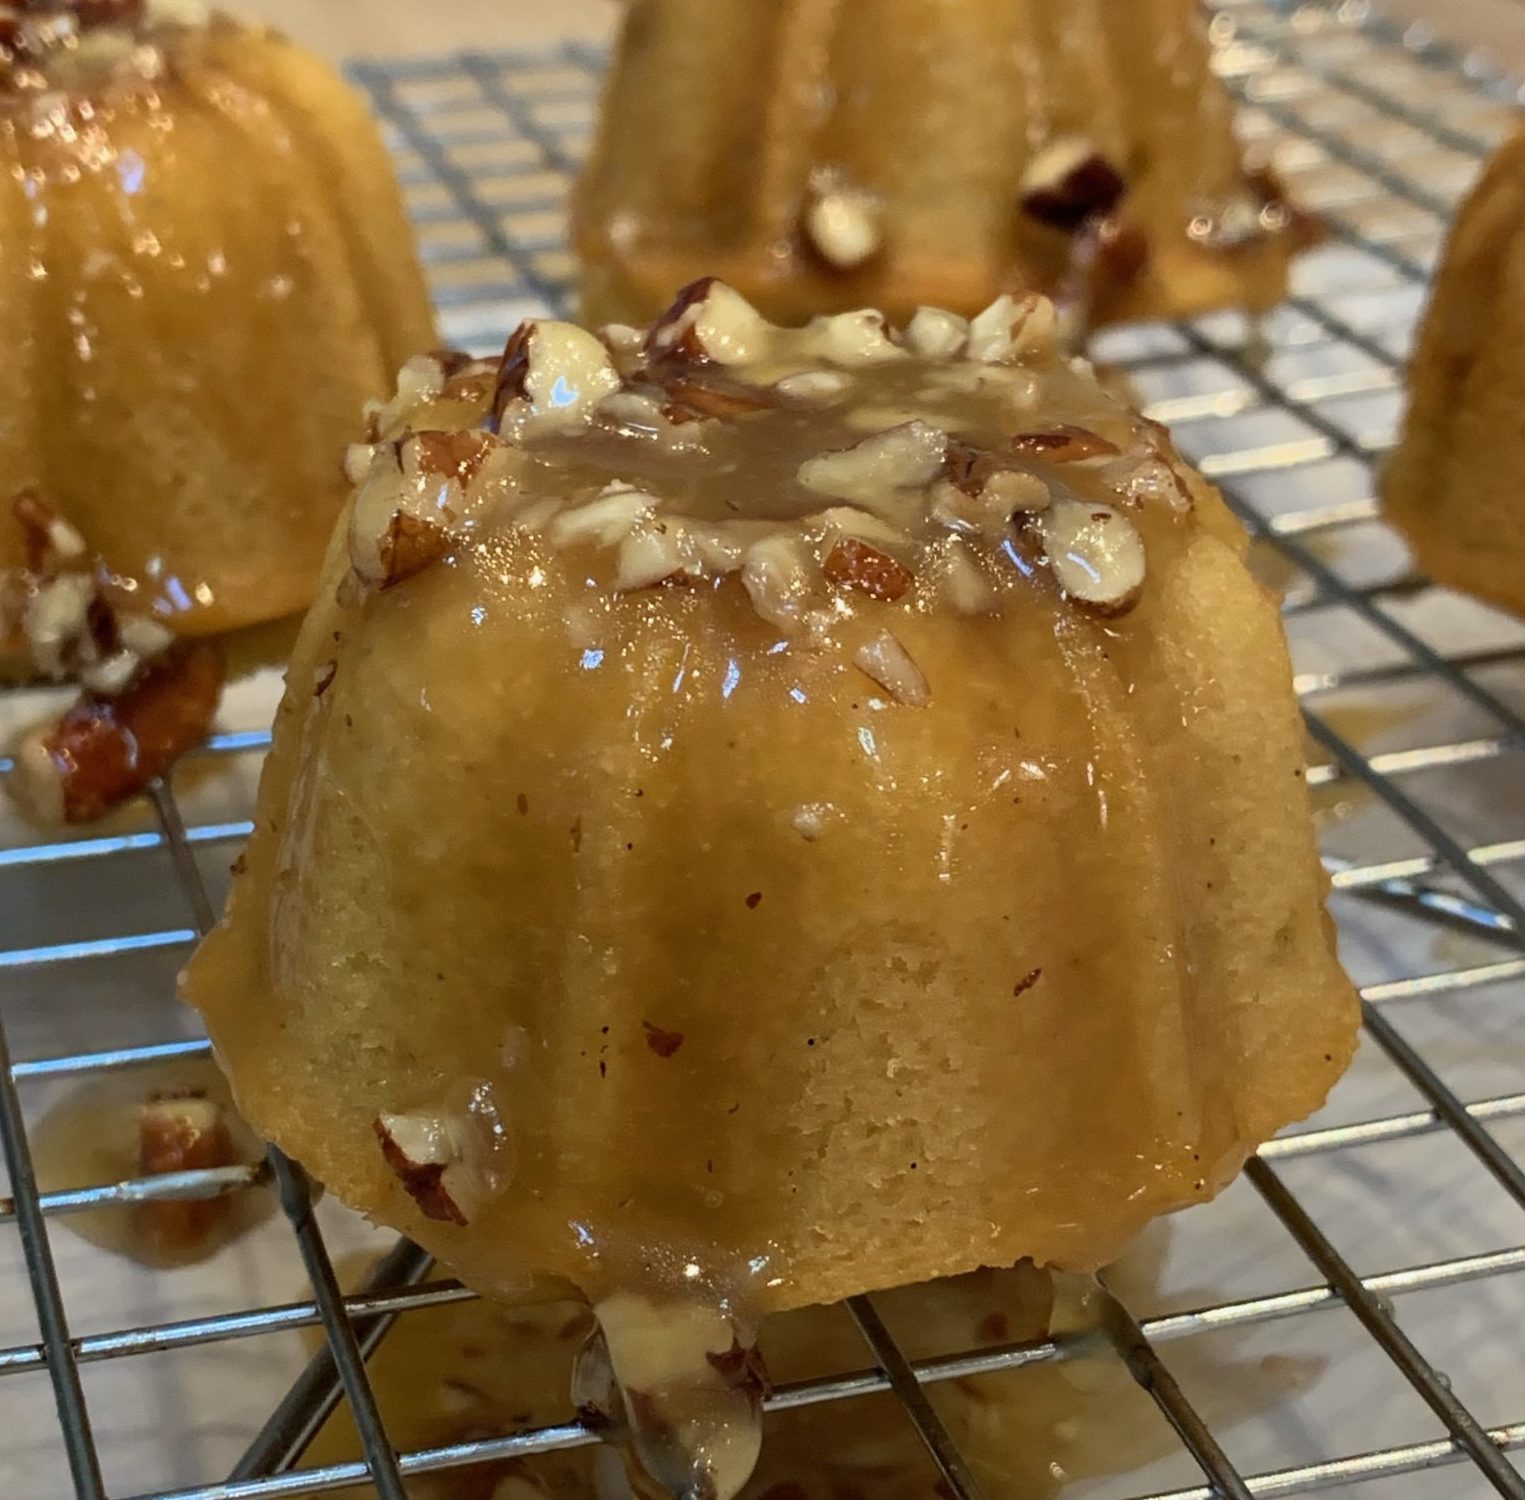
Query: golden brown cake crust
[1455,485]
[205,271]
[828,154]
[646,879]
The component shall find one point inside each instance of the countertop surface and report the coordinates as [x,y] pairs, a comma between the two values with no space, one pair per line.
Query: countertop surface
[388,27]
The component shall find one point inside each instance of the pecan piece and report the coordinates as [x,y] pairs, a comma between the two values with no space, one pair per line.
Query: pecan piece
[552,377]
[408,546]
[450,455]
[1069,184]
[842,226]
[664,1043]
[887,662]
[182,1131]
[105,750]
[419,1165]
[690,400]
[856,565]
[1063,443]
[708,321]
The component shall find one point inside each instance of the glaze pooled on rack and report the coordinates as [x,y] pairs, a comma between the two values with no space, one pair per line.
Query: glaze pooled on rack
[762,814]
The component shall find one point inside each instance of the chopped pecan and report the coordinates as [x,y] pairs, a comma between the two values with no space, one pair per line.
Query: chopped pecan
[1069,184]
[552,377]
[974,471]
[451,455]
[1063,443]
[675,333]
[708,321]
[856,565]
[1096,555]
[663,1043]
[741,1366]
[842,226]
[424,1180]
[691,400]
[887,662]
[182,1131]
[408,546]
[105,750]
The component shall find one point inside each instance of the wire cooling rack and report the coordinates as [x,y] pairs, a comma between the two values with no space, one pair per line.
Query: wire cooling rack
[1391,1223]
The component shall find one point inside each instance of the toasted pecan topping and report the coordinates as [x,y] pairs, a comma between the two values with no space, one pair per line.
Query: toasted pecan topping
[1071,184]
[408,546]
[451,455]
[105,750]
[674,335]
[182,1131]
[1063,443]
[693,400]
[424,1180]
[856,565]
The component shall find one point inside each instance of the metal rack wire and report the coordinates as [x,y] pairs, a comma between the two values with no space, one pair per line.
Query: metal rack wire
[1381,131]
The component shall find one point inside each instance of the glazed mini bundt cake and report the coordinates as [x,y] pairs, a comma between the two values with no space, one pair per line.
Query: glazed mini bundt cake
[1455,485]
[760,814]
[823,155]
[205,272]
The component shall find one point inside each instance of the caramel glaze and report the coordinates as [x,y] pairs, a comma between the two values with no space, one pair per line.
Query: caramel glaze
[477,1370]
[205,271]
[714,897]
[175,1117]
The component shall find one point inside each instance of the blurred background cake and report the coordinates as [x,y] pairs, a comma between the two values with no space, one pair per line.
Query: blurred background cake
[828,154]
[1455,485]
[206,271]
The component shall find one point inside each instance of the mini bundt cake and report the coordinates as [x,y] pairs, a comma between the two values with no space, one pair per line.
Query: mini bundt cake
[760,814]
[205,272]
[830,154]
[1455,485]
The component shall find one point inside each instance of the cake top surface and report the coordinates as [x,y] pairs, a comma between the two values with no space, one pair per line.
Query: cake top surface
[950,465]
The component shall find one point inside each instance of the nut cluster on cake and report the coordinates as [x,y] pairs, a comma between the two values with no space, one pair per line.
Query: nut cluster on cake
[955,463]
